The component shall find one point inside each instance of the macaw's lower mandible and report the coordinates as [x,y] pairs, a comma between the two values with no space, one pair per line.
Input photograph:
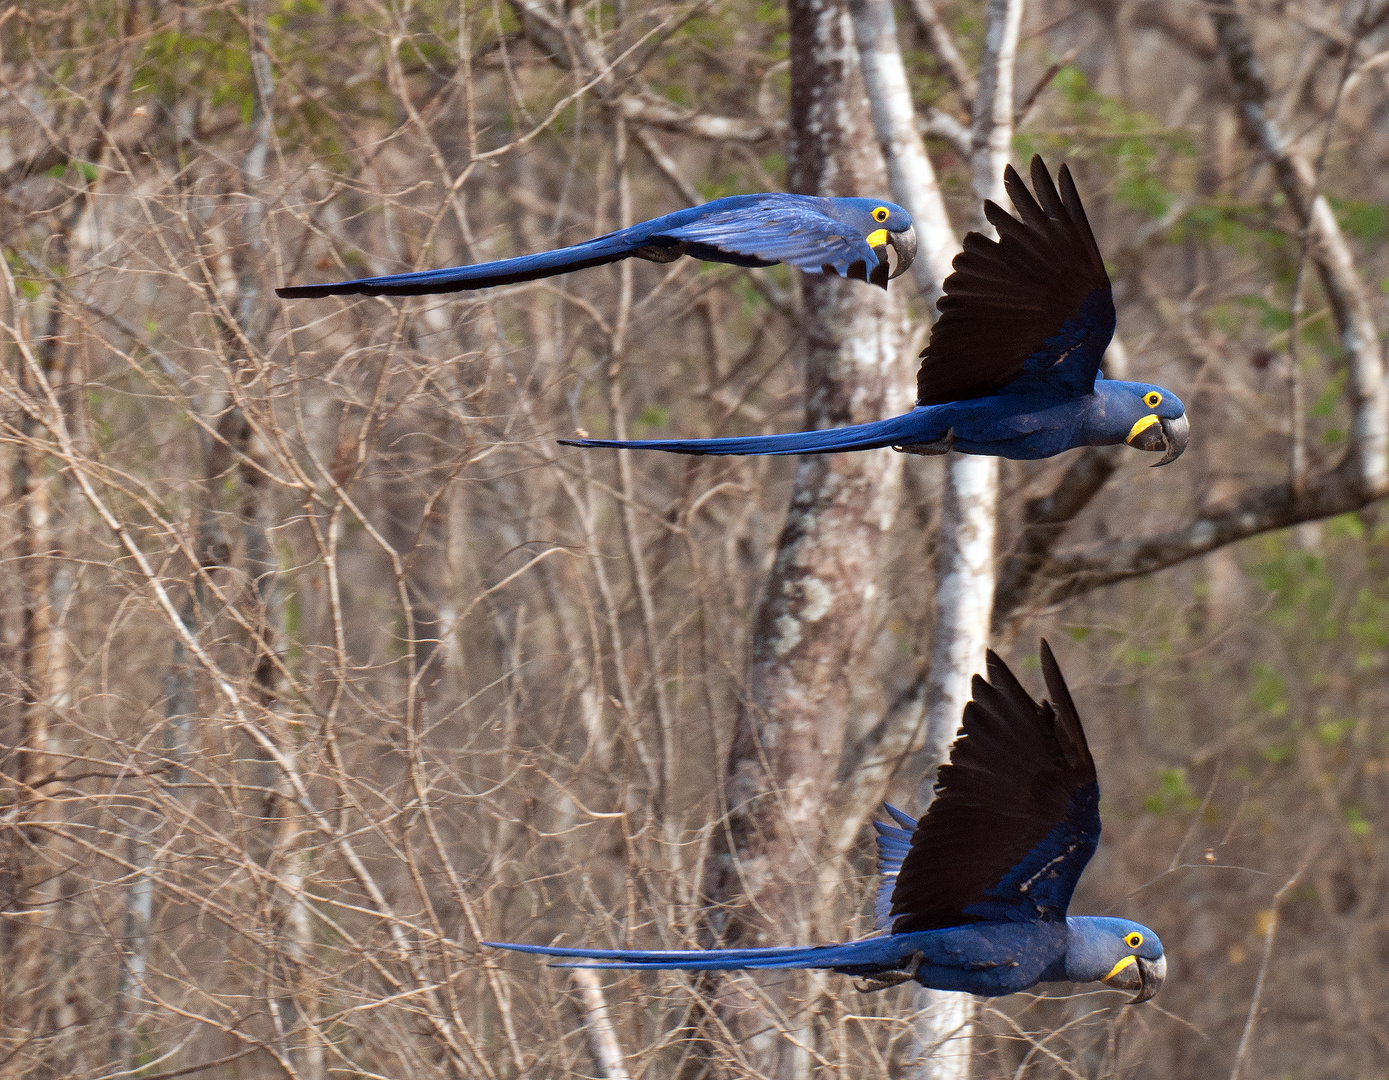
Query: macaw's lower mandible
[974,895]
[1013,365]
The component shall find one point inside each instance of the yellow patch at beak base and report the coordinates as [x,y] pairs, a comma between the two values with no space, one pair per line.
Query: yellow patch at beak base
[1127,961]
[877,238]
[1141,426]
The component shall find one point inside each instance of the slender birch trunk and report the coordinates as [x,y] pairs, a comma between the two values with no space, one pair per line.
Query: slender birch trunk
[964,602]
[294,993]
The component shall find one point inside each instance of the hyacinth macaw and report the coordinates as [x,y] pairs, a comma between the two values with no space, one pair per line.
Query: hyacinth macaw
[849,237]
[974,895]
[1013,365]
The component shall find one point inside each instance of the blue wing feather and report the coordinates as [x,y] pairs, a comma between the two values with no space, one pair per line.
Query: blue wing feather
[1070,359]
[1032,308]
[1040,884]
[1016,814]
[801,235]
[893,845]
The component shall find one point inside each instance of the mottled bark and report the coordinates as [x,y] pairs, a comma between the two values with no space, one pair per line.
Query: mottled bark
[869,766]
[909,169]
[965,597]
[818,612]
[33,877]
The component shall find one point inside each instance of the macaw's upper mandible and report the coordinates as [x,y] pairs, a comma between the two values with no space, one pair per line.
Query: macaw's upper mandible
[1013,365]
[849,237]
[974,895]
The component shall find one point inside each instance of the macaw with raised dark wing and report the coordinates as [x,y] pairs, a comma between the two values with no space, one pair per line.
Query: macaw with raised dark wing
[1013,365]
[849,237]
[974,895]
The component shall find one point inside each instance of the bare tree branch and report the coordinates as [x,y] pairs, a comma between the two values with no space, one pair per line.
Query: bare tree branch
[1361,478]
[943,45]
[1369,443]
[939,124]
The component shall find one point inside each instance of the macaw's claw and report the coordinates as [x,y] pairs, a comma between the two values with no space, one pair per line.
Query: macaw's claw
[943,445]
[890,979]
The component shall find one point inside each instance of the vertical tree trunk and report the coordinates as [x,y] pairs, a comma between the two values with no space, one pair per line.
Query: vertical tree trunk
[968,519]
[46,577]
[293,1002]
[818,613]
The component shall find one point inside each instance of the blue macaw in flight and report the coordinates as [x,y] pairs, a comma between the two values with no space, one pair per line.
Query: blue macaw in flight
[974,895]
[1013,365]
[849,237]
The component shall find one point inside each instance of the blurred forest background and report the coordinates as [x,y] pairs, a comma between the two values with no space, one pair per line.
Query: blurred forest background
[320,661]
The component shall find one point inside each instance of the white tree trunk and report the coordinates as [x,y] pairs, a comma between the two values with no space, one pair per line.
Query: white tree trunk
[964,602]
[601,1035]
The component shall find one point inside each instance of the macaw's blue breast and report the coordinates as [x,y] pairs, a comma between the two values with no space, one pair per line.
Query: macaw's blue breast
[1022,427]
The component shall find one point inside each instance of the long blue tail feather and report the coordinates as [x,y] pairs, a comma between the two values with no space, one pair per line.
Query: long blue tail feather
[877,953]
[894,431]
[596,252]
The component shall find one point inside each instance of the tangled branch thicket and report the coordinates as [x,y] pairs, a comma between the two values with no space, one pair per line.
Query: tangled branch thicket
[322,663]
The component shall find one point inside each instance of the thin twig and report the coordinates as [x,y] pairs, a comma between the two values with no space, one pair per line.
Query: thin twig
[1252,1018]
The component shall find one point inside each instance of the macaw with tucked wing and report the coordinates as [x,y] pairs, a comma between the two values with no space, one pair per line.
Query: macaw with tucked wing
[849,237]
[974,895]
[1013,365]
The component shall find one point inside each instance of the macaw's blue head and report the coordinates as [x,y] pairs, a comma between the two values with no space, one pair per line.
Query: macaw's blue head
[882,224]
[1145,416]
[1122,954]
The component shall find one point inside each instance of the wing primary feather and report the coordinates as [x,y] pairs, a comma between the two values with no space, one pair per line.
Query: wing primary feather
[1071,732]
[1070,199]
[1021,305]
[1015,818]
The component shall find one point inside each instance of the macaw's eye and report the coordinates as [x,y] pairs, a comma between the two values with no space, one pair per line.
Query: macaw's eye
[880,214]
[1135,939]
[1152,399]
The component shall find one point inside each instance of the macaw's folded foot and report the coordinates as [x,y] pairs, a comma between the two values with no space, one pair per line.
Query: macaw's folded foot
[891,978]
[660,253]
[942,445]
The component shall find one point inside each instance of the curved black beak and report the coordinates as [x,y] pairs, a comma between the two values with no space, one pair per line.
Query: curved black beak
[1178,433]
[1169,435]
[1152,973]
[1135,973]
[904,246]
[904,243]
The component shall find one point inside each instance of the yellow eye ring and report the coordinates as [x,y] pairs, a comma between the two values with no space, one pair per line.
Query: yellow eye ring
[880,214]
[1134,939]
[1152,399]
